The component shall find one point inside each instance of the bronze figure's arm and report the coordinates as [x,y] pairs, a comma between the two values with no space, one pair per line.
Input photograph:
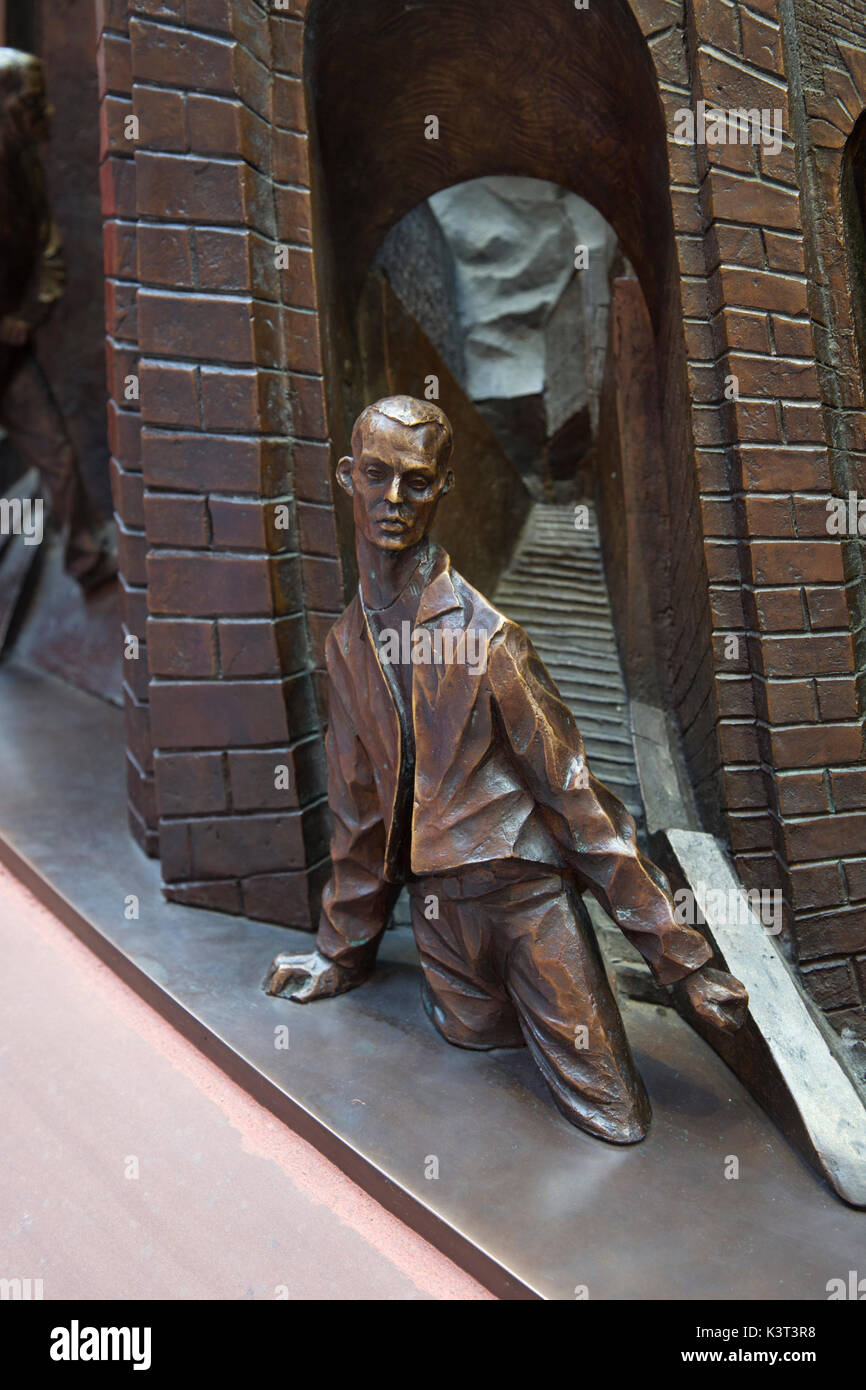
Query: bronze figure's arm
[357,901]
[595,833]
[41,293]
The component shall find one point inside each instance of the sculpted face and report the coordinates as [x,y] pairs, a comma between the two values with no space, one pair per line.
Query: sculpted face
[27,104]
[38,109]
[395,480]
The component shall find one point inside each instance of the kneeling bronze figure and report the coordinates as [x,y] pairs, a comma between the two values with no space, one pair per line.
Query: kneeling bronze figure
[455,767]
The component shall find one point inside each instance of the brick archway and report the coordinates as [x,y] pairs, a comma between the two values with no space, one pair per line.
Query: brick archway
[474,70]
[239,367]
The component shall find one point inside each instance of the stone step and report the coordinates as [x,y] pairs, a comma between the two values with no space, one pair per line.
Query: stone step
[555,588]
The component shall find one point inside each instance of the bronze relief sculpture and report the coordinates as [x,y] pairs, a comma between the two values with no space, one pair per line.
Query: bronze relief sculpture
[455,767]
[32,280]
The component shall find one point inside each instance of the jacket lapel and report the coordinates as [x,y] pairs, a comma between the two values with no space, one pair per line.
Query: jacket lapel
[374,711]
[439,596]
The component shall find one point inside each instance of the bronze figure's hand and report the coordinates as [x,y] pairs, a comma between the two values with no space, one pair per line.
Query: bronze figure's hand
[13,331]
[307,977]
[717,998]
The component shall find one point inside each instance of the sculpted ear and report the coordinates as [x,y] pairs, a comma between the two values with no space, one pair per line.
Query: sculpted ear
[344,474]
[449,481]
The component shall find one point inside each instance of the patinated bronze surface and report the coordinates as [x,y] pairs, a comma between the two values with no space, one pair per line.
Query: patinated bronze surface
[32,280]
[455,767]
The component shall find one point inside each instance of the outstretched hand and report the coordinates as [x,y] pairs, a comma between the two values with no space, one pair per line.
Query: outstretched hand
[306,977]
[717,998]
[13,331]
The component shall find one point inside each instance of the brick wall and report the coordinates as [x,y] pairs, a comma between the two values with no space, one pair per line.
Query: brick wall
[225,511]
[691,436]
[826,51]
[762,671]
[117,181]
[736,223]
[819,23]
[758,447]
[784,701]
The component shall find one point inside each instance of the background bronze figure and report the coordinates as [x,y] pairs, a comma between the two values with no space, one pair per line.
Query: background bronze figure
[32,280]
[454,766]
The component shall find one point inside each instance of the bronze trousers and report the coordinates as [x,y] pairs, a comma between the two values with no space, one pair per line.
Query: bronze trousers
[509,957]
[34,422]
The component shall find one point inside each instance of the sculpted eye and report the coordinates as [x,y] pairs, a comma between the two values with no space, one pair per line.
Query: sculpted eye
[376,474]
[417,483]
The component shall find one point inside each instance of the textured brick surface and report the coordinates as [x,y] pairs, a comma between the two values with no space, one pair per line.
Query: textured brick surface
[117,182]
[827,35]
[228,349]
[199,313]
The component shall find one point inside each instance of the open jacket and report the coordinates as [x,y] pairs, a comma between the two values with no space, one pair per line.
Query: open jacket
[32,268]
[500,773]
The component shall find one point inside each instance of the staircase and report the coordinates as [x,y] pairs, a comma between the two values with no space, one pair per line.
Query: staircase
[555,588]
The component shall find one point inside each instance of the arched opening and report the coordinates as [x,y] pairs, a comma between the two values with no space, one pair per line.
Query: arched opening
[499,297]
[455,97]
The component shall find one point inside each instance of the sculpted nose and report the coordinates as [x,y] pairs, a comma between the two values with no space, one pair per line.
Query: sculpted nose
[393,493]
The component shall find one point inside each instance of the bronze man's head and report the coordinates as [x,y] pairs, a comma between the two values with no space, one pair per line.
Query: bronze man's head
[398,470]
[25,115]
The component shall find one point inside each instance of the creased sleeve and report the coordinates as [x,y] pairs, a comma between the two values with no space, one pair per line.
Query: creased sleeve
[593,830]
[47,282]
[357,901]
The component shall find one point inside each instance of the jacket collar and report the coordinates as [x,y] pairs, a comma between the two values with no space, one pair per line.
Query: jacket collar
[438,596]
